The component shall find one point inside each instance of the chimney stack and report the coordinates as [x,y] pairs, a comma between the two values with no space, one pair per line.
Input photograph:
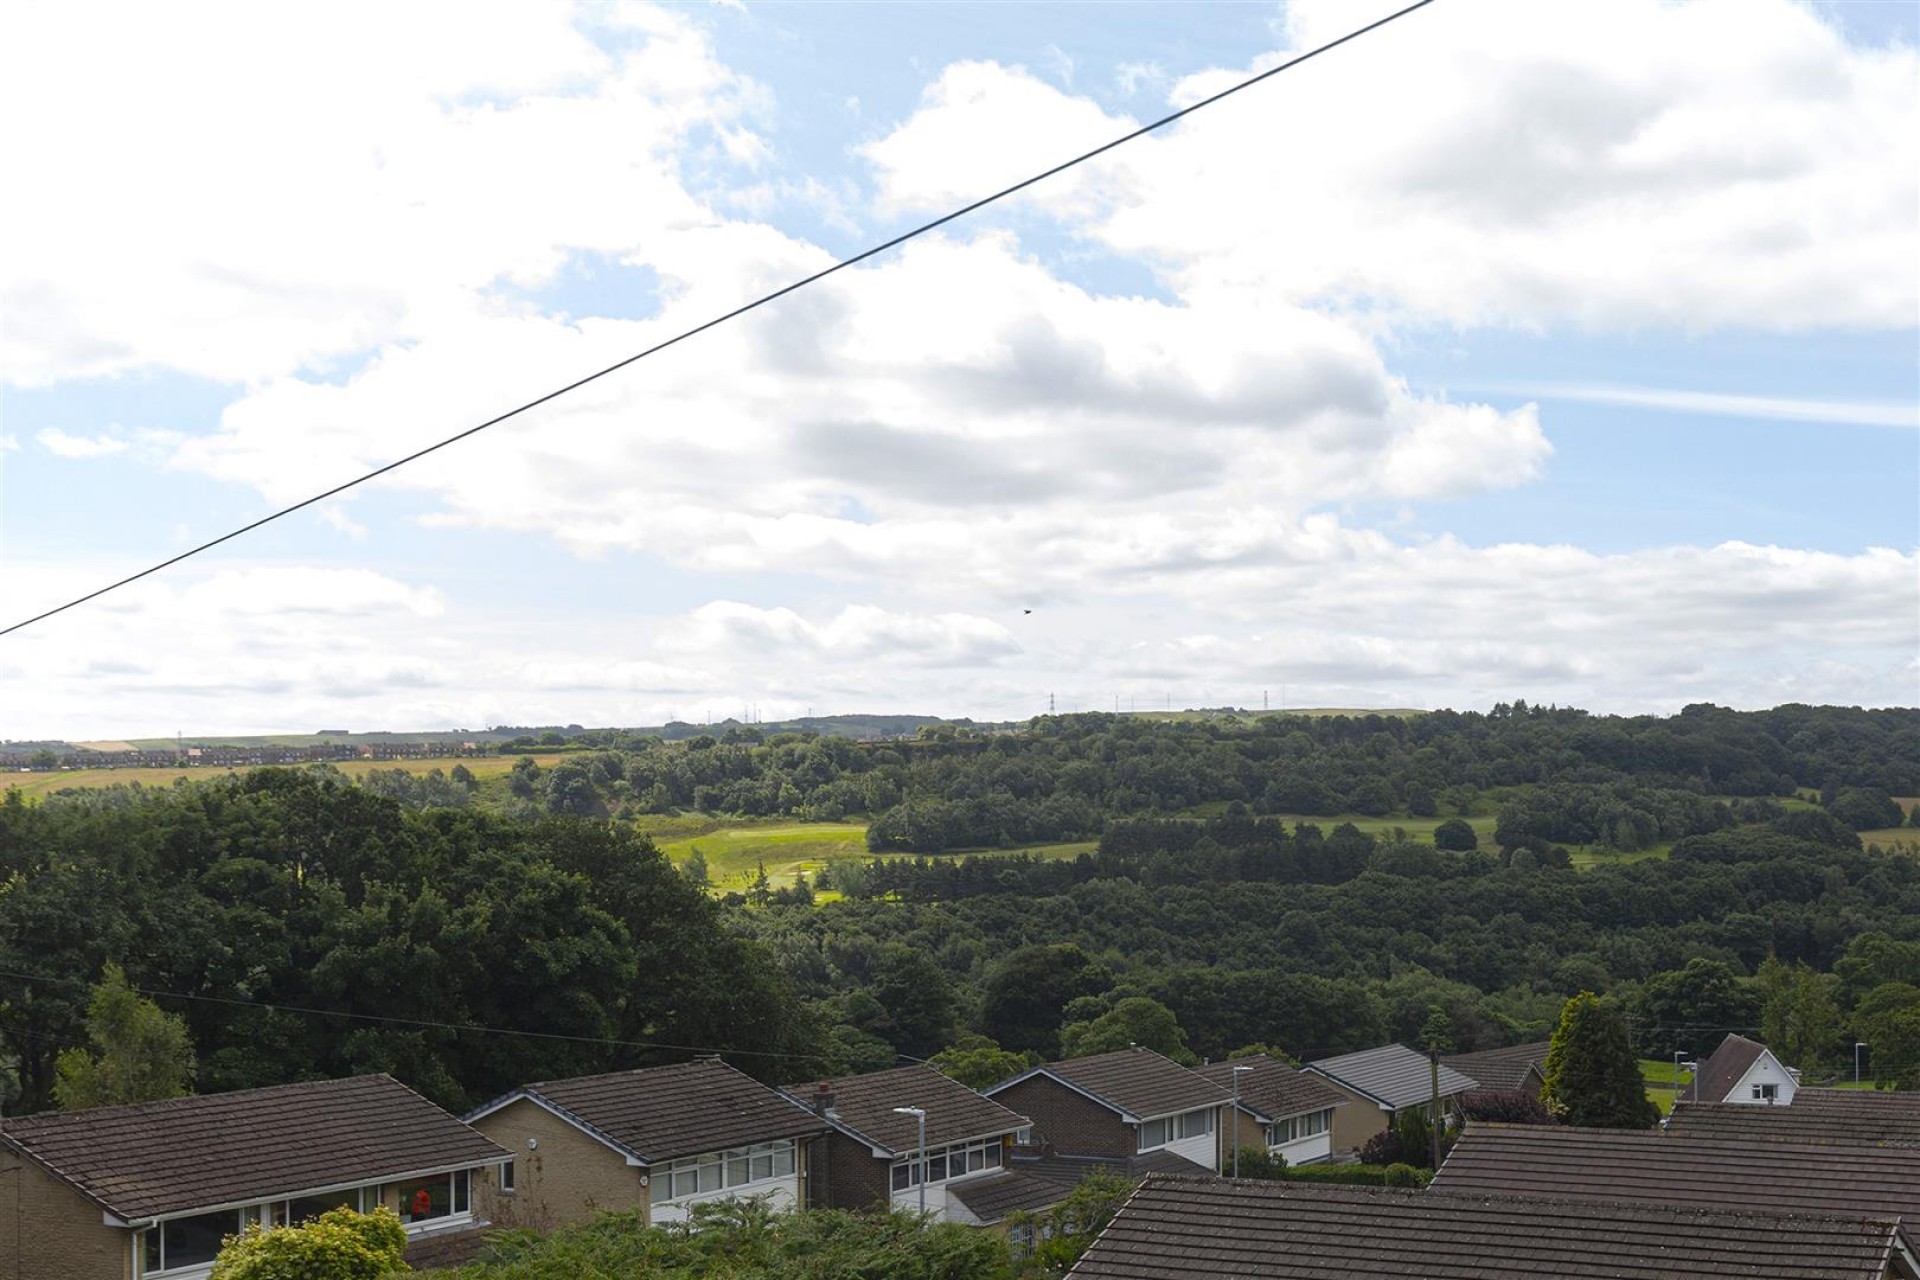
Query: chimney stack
[822,1101]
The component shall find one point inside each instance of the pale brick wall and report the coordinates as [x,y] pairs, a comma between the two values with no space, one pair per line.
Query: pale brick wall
[568,1178]
[49,1231]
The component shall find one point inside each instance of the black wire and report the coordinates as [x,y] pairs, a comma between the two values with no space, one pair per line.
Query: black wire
[431,1025]
[761,301]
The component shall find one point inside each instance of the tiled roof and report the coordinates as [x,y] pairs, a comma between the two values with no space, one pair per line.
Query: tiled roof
[1632,1164]
[661,1113]
[1891,1119]
[955,1113]
[219,1149]
[1274,1090]
[1724,1067]
[1396,1075]
[1506,1068]
[1181,1229]
[1137,1082]
[1031,1183]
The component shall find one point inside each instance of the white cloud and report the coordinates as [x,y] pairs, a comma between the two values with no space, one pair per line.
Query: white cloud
[1733,405]
[1610,163]
[63,444]
[225,209]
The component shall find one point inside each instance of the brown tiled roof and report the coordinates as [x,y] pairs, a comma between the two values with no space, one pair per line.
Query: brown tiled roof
[1890,1119]
[955,1113]
[1506,1068]
[219,1149]
[1182,1229]
[1631,1164]
[662,1113]
[1137,1082]
[1393,1074]
[1274,1090]
[1724,1067]
[1032,1183]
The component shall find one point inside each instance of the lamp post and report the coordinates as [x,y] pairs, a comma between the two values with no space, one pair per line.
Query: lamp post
[920,1114]
[1236,1118]
[1676,1071]
[1858,1045]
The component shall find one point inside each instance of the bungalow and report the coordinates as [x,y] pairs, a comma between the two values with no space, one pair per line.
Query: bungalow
[1217,1229]
[1122,1104]
[1647,1165]
[872,1154]
[150,1191]
[1743,1070]
[1036,1178]
[659,1140]
[1385,1082]
[1520,1068]
[1284,1111]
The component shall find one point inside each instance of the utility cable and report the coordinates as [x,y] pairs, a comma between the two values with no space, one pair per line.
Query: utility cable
[757,303]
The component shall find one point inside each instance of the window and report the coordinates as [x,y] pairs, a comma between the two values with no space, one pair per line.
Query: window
[1295,1128]
[946,1163]
[1766,1092]
[724,1170]
[1191,1124]
[307,1208]
[188,1242]
[426,1199]
[506,1176]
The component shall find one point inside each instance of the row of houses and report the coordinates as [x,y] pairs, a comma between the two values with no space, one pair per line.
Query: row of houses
[237,757]
[149,1192]
[1760,1177]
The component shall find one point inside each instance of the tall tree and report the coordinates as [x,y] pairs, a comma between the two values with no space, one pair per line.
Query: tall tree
[1593,1078]
[1136,1020]
[1800,1020]
[141,1052]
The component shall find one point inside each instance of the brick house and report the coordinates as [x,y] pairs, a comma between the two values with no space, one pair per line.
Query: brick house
[660,1140]
[1285,1112]
[1382,1083]
[1519,1068]
[1120,1105]
[151,1191]
[872,1156]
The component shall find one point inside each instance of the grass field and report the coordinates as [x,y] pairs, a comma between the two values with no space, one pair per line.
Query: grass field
[735,852]
[1659,1077]
[40,784]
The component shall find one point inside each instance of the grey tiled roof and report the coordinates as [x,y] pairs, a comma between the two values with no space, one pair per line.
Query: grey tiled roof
[1181,1229]
[955,1113]
[1724,1067]
[1031,1183]
[1396,1075]
[1891,1119]
[217,1149]
[1500,1068]
[1274,1090]
[1137,1082]
[662,1113]
[1633,1164]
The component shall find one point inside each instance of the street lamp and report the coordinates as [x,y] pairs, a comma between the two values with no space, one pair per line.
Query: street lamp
[1236,1118]
[920,1114]
[1858,1045]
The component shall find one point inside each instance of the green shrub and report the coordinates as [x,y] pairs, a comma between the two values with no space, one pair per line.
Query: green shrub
[338,1245]
[1403,1175]
[1362,1175]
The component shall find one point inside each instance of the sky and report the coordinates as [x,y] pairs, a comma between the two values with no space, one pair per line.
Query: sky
[1568,352]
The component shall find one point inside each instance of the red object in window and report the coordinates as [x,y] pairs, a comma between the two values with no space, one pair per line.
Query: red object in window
[422,1203]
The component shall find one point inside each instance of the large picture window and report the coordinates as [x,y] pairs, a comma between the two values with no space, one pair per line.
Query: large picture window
[1192,1124]
[747,1167]
[1295,1128]
[188,1242]
[944,1164]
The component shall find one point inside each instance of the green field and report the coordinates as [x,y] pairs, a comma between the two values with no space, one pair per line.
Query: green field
[735,852]
[40,784]
[1659,1078]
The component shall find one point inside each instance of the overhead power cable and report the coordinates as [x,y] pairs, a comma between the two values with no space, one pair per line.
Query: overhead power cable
[431,1025]
[754,305]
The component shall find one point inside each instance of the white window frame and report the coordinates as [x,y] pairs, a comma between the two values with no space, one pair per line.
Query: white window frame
[1164,1131]
[1766,1093]
[509,1176]
[759,1165]
[946,1164]
[1299,1128]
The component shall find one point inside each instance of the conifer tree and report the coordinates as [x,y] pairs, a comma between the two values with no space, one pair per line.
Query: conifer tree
[1593,1079]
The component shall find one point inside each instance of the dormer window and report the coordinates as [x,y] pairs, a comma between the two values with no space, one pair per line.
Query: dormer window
[1766,1092]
